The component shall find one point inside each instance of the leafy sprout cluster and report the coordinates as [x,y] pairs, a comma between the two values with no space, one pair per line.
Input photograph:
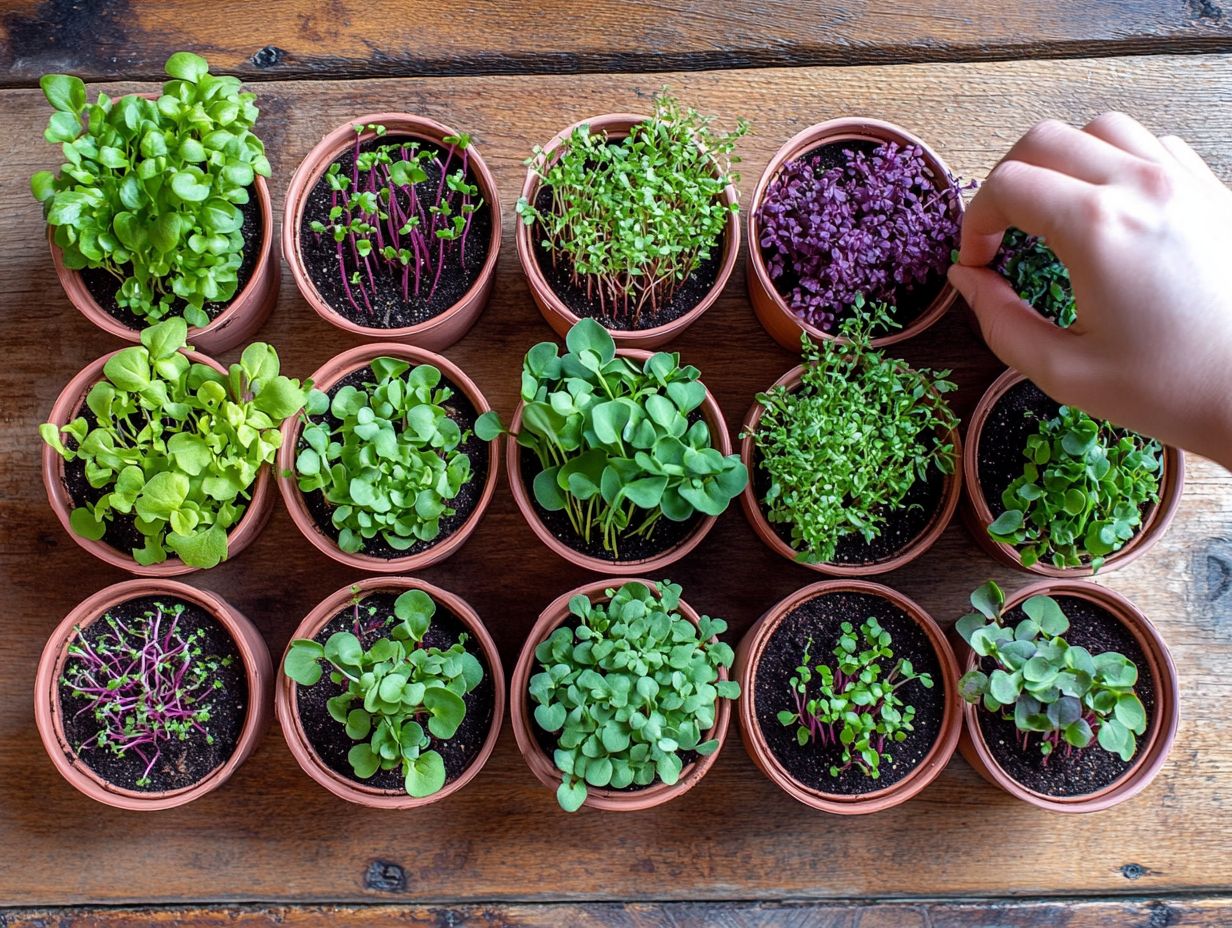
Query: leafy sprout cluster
[852,706]
[175,445]
[1081,492]
[394,688]
[844,448]
[878,224]
[627,688]
[145,682]
[1047,687]
[1038,276]
[633,218]
[388,464]
[614,441]
[150,189]
[390,218]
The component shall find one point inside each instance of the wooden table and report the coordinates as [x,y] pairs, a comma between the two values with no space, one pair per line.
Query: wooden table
[735,851]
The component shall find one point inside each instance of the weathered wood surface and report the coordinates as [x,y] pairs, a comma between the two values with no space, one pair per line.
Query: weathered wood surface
[272,835]
[119,39]
[1145,913]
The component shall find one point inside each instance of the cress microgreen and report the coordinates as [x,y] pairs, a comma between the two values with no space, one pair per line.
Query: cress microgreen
[633,218]
[616,448]
[150,189]
[628,687]
[1046,686]
[384,455]
[1081,492]
[394,688]
[175,445]
[852,706]
[1038,276]
[843,449]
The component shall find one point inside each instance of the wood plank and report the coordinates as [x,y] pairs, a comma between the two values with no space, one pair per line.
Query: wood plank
[295,38]
[272,835]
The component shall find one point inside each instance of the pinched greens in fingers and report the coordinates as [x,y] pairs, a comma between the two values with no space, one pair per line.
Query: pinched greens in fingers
[174,445]
[1038,276]
[397,692]
[614,439]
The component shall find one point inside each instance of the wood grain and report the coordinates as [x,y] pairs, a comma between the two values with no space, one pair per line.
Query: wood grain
[386,38]
[270,834]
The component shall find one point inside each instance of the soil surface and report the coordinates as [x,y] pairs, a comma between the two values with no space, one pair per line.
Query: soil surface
[1070,772]
[460,410]
[182,763]
[103,286]
[330,740]
[389,309]
[820,618]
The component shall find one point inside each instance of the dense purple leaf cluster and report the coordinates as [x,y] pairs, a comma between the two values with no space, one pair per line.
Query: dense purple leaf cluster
[874,225]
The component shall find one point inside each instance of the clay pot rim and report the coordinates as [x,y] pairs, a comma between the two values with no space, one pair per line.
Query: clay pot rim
[286,706]
[47,699]
[831,131]
[1150,756]
[950,493]
[66,407]
[318,160]
[1156,521]
[324,378]
[513,464]
[542,766]
[923,773]
[617,126]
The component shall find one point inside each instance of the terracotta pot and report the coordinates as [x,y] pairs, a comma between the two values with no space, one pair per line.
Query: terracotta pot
[66,408]
[525,498]
[783,325]
[48,713]
[446,327]
[749,655]
[324,379]
[522,714]
[287,708]
[951,490]
[558,315]
[1151,754]
[977,515]
[236,324]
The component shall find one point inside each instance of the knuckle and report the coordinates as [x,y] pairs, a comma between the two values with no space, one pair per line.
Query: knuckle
[1111,119]
[1153,179]
[1096,207]
[1045,132]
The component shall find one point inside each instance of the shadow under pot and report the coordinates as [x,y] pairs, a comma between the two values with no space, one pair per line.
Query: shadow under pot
[1017,440]
[563,300]
[393,233]
[911,530]
[820,735]
[199,654]
[426,433]
[789,245]
[399,740]
[1068,779]
[539,746]
[68,487]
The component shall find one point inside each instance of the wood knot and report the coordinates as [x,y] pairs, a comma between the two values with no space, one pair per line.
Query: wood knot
[385,876]
[268,57]
[1134,871]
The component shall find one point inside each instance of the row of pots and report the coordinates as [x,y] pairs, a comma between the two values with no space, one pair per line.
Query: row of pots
[250,307]
[959,727]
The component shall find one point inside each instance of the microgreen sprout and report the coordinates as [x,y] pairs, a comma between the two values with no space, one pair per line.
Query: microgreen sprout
[146,683]
[627,688]
[1063,693]
[393,689]
[1038,276]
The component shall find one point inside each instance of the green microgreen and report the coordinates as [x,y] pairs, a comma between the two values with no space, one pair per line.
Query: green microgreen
[1038,276]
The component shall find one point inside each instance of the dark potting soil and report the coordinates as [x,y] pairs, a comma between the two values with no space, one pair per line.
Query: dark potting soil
[559,276]
[1068,772]
[330,740]
[665,535]
[104,287]
[820,618]
[389,309]
[182,763]
[909,302]
[460,410]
